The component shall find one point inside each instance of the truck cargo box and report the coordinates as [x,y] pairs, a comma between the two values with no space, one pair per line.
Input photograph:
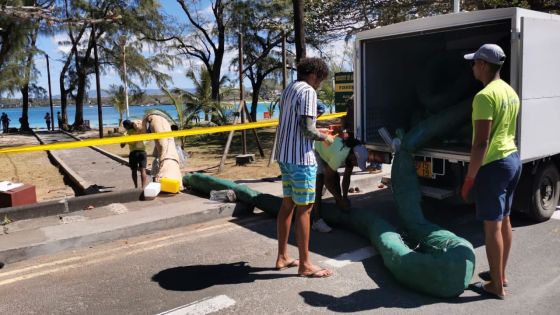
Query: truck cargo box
[407,71]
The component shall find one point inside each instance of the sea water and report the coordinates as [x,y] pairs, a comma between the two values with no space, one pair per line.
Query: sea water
[110,115]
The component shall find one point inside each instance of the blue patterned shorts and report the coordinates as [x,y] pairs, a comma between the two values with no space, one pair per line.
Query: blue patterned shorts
[298,182]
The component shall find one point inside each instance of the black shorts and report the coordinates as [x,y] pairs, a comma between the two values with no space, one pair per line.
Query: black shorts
[137,159]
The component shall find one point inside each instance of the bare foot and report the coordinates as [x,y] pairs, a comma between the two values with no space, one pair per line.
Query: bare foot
[315,272]
[286,262]
[490,287]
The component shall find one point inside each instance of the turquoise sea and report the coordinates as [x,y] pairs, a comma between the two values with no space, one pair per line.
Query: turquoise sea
[110,115]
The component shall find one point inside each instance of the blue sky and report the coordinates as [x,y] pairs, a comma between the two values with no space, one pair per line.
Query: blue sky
[49,45]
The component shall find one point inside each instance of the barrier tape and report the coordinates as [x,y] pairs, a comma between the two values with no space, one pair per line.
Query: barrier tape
[151,136]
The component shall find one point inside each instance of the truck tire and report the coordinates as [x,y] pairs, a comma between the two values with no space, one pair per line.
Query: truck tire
[546,191]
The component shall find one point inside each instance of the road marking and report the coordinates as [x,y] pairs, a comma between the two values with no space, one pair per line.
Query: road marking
[202,307]
[556,215]
[108,254]
[354,256]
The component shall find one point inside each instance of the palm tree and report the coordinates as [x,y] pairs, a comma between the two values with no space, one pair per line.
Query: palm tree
[201,98]
[118,100]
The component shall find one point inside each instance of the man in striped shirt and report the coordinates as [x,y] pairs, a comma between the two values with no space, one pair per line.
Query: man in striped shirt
[296,133]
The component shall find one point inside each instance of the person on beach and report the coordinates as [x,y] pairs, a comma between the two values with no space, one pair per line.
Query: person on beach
[137,158]
[5,122]
[59,119]
[48,121]
[296,133]
[495,167]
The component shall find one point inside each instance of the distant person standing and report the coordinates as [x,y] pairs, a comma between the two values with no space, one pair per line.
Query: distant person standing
[48,121]
[59,118]
[137,158]
[296,133]
[5,122]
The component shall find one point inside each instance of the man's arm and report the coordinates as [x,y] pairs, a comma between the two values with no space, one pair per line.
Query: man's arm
[310,132]
[346,180]
[482,130]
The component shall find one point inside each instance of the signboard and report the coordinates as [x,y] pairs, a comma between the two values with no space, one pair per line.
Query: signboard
[343,89]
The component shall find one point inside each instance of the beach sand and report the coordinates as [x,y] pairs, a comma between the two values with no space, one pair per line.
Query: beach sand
[32,168]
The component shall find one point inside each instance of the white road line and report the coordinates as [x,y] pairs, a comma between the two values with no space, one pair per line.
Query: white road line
[354,256]
[556,215]
[202,307]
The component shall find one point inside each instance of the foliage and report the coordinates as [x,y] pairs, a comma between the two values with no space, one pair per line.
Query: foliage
[262,24]
[335,19]
[118,100]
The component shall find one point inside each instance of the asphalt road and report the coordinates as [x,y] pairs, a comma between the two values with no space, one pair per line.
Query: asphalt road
[224,266]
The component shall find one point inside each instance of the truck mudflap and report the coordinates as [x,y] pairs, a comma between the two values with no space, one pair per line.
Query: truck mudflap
[441,266]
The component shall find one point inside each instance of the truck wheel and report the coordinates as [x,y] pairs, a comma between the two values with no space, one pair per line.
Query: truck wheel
[546,190]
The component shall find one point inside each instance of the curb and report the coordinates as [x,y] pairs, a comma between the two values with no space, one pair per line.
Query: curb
[67,205]
[80,182]
[121,231]
[77,241]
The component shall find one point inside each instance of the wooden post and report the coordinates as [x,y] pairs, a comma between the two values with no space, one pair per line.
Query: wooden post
[254,131]
[241,96]
[284,84]
[230,137]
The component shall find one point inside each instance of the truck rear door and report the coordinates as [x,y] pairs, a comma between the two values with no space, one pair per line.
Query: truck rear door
[539,88]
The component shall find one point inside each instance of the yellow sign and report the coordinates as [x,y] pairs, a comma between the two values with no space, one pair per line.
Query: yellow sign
[150,136]
[424,169]
[344,87]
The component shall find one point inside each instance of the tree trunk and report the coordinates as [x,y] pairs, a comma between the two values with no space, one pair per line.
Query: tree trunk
[80,93]
[64,92]
[255,97]
[24,119]
[299,29]
[81,70]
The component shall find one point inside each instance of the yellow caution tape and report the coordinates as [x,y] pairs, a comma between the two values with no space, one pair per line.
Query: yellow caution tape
[151,136]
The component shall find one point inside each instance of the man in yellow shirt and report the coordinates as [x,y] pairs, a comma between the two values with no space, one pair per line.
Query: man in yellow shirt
[138,158]
[494,167]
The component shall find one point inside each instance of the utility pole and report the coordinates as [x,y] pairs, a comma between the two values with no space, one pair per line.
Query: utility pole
[125,78]
[97,83]
[241,98]
[50,92]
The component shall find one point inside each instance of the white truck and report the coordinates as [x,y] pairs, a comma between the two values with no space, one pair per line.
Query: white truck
[407,71]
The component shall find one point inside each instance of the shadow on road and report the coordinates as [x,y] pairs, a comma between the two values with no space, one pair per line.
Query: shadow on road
[198,277]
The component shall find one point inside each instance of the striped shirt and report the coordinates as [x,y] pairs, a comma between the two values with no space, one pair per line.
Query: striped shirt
[298,99]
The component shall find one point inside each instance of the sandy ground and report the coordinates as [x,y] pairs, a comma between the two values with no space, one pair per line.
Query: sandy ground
[204,154]
[33,168]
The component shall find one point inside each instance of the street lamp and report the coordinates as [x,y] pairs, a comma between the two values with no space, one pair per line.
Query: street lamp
[50,92]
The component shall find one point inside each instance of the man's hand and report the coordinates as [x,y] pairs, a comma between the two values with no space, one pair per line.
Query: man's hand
[467,187]
[329,139]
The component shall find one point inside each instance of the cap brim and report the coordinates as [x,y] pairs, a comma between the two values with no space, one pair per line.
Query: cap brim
[469,56]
